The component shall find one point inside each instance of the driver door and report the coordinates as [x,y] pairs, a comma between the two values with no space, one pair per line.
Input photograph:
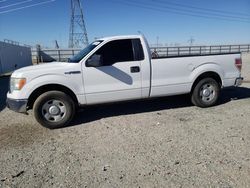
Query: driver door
[113,73]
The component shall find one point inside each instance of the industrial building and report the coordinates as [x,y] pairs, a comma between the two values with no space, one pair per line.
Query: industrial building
[13,56]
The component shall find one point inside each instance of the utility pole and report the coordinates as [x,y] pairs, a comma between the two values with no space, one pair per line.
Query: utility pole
[56,44]
[157,41]
[78,34]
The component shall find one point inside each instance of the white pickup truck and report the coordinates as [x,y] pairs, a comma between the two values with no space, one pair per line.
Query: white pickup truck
[116,69]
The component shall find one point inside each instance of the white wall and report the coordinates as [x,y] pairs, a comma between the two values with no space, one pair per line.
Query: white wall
[13,57]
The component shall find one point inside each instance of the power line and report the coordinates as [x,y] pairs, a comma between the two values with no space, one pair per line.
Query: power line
[28,6]
[185,8]
[178,12]
[201,8]
[15,4]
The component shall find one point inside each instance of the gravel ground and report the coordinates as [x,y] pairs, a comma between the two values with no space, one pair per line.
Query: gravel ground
[165,142]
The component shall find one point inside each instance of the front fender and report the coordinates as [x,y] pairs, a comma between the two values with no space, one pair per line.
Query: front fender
[73,82]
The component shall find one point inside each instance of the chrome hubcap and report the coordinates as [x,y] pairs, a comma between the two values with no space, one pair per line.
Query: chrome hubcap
[54,110]
[207,92]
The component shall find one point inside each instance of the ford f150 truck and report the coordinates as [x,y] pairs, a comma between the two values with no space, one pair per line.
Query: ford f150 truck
[116,69]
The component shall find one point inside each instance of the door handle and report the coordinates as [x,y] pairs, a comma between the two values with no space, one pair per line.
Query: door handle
[73,72]
[135,69]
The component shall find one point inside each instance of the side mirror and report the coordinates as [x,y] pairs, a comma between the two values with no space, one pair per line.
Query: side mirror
[94,61]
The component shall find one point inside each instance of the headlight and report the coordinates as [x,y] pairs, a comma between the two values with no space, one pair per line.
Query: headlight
[17,84]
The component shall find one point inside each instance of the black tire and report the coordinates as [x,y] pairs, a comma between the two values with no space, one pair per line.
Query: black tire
[205,93]
[54,109]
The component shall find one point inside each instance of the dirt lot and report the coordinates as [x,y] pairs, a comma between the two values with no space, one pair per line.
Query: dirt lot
[165,142]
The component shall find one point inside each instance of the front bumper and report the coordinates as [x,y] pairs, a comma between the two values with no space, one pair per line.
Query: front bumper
[238,81]
[17,105]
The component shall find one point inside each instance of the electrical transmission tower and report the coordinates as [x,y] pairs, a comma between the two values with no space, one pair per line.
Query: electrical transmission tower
[191,41]
[78,34]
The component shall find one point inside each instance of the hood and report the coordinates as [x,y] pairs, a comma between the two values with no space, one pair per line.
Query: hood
[46,68]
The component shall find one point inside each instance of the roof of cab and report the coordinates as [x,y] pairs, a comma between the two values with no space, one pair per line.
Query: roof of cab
[120,37]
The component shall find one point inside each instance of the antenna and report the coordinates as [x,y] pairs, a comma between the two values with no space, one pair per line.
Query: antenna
[78,34]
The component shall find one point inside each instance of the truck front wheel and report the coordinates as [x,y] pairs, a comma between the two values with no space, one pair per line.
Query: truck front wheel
[54,109]
[205,93]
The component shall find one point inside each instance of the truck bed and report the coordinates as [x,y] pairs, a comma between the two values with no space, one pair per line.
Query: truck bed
[176,74]
[186,51]
[193,55]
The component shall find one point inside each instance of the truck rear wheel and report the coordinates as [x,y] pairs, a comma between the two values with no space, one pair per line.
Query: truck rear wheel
[54,109]
[205,93]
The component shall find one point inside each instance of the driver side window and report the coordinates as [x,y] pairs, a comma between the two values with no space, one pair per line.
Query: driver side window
[116,51]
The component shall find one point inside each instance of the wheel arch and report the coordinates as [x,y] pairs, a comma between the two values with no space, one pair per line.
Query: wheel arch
[50,87]
[209,74]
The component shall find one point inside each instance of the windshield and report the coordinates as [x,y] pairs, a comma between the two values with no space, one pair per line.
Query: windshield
[78,57]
